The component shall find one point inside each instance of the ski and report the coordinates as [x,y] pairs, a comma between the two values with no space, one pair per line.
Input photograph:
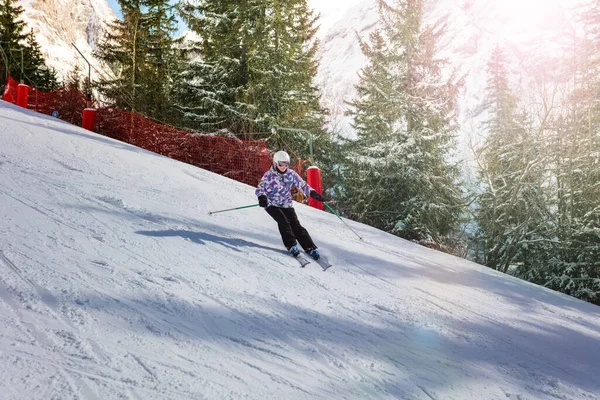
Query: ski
[302,260]
[324,263]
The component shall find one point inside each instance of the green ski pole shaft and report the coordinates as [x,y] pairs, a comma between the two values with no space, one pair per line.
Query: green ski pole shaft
[232,209]
[336,214]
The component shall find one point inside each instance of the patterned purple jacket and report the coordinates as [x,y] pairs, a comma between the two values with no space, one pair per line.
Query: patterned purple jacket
[277,187]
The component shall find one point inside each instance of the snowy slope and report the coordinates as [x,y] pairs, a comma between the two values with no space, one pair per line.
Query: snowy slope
[116,284]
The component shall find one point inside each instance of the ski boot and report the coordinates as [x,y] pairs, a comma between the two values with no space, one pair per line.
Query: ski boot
[314,253]
[294,250]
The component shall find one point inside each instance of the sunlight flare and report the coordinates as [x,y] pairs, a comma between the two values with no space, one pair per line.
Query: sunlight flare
[516,17]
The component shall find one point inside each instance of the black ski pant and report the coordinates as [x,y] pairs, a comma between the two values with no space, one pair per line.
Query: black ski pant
[290,228]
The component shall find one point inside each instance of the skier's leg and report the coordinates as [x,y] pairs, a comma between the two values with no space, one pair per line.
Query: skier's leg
[285,229]
[299,231]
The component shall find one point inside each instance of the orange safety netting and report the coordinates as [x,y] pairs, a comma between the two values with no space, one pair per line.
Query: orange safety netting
[242,160]
[67,102]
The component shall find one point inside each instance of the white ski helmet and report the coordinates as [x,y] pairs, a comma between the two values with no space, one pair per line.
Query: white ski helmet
[281,157]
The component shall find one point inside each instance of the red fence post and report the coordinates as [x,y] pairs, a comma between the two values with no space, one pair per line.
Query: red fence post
[7,95]
[313,178]
[22,95]
[89,119]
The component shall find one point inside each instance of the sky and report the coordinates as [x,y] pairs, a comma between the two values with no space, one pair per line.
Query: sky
[114,4]
[115,283]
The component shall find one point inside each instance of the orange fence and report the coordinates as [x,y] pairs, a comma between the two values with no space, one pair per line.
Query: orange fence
[242,160]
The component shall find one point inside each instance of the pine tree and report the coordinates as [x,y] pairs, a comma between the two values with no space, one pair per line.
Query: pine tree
[24,57]
[398,175]
[512,211]
[122,50]
[163,59]
[70,99]
[73,79]
[36,72]
[11,36]
[254,66]
[141,51]
[575,266]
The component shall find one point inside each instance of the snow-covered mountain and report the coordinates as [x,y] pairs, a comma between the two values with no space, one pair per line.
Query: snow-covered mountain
[116,284]
[58,24]
[534,32]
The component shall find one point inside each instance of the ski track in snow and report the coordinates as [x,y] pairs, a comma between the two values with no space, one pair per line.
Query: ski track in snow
[115,283]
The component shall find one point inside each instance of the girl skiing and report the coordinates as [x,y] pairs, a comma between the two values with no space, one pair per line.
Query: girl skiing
[275,195]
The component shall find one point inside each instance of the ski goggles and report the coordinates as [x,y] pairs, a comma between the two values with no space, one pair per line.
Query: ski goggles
[283,164]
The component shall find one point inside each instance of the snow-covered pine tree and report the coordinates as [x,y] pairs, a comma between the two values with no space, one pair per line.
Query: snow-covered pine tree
[511,214]
[575,267]
[25,60]
[253,66]
[398,175]
[141,52]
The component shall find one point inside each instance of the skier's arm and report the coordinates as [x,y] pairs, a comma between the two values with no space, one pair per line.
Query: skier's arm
[300,184]
[307,190]
[261,188]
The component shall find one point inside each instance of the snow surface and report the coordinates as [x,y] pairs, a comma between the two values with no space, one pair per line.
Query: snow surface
[115,283]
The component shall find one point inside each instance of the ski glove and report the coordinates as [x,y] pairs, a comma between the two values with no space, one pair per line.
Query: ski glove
[262,201]
[316,196]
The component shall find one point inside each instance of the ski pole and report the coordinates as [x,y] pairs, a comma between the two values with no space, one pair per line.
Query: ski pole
[232,209]
[336,214]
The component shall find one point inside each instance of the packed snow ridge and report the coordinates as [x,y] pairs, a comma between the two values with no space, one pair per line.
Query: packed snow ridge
[115,283]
